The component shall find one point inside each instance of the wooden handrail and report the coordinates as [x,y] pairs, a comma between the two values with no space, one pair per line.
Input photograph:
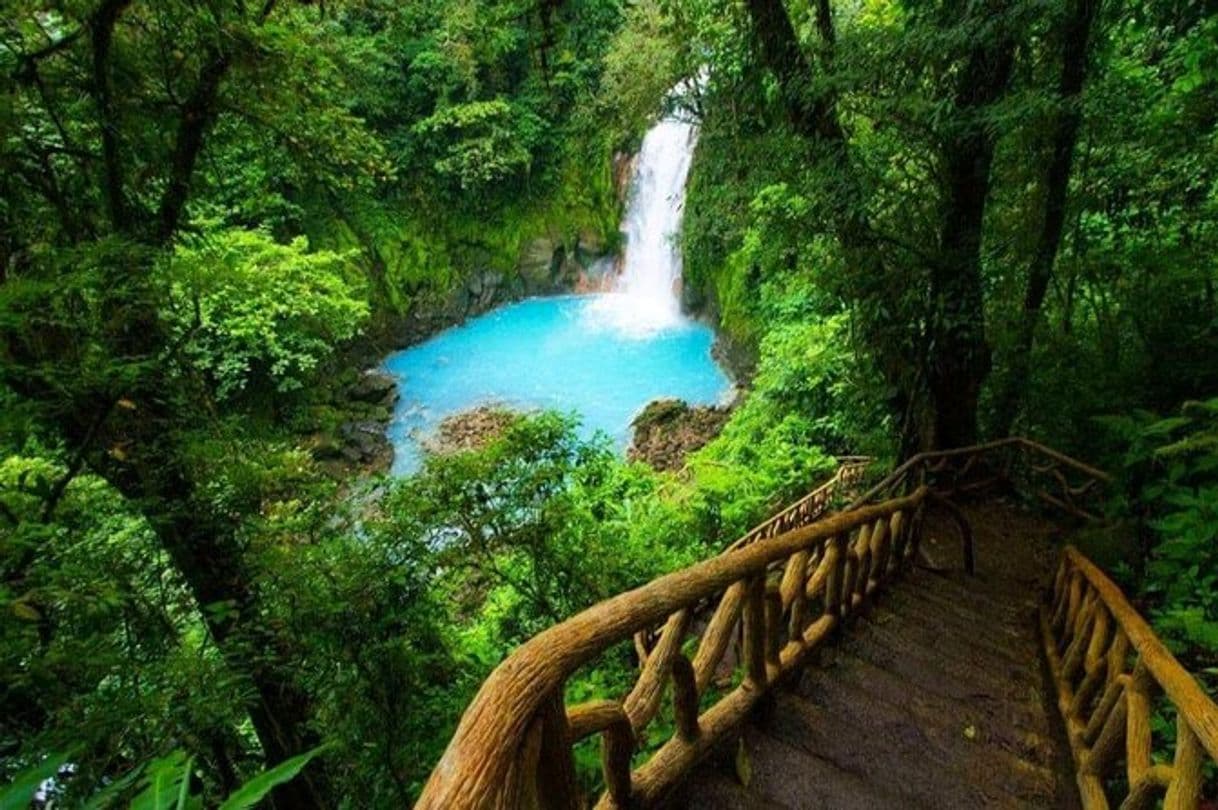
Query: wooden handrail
[1106,661]
[780,598]
[922,460]
[477,768]
[850,470]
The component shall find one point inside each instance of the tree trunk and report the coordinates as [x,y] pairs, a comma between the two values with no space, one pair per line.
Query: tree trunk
[817,119]
[137,448]
[1076,35]
[959,355]
[782,54]
[207,553]
[101,26]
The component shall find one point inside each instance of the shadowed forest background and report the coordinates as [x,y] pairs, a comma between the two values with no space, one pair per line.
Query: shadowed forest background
[916,224]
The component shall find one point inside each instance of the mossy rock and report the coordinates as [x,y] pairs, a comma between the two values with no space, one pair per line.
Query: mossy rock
[660,411]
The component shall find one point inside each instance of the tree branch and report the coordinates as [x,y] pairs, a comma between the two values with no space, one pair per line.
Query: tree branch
[27,63]
[102,34]
[197,115]
[75,465]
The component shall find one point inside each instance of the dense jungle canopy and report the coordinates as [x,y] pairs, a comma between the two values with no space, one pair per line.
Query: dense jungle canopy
[915,223]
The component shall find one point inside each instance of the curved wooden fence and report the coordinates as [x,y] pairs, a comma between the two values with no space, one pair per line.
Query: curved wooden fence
[779,593]
[513,746]
[1108,665]
[849,472]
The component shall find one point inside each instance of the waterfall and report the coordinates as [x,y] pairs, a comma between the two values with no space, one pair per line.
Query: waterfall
[646,296]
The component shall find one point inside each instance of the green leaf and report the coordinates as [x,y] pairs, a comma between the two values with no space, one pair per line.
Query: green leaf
[106,796]
[165,778]
[18,794]
[255,789]
[184,789]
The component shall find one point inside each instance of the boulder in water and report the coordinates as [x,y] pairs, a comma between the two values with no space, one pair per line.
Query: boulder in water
[668,430]
[469,430]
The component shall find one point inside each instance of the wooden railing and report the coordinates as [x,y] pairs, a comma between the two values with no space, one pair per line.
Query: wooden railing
[805,511]
[1029,467]
[778,595]
[810,507]
[513,746]
[1108,666]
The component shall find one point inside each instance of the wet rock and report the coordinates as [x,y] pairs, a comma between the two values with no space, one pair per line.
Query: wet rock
[738,358]
[375,387]
[484,289]
[546,266]
[667,430]
[327,449]
[538,262]
[599,276]
[365,443]
[623,171]
[589,246]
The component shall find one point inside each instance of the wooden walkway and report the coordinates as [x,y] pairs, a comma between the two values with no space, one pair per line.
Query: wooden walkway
[936,698]
[848,660]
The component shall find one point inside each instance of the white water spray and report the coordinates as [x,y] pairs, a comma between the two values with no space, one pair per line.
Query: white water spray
[646,297]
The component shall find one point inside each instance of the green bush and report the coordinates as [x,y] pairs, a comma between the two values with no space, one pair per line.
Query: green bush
[245,310]
[1171,476]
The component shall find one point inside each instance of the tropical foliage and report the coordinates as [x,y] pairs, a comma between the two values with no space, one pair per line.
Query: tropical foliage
[915,224]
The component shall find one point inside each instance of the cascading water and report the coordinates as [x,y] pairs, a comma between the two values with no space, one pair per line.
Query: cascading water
[646,297]
[603,356]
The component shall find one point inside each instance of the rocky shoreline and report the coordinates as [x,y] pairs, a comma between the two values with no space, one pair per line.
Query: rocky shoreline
[665,431]
[359,442]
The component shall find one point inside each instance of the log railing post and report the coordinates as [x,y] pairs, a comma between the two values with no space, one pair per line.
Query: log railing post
[616,751]
[794,581]
[609,719]
[849,579]
[865,557]
[1137,724]
[557,788]
[773,631]
[898,528]
[1094,664]
[1112,733]
[718,634]
[835,558]
[685,698]
[1184,792]
[754,632]
[881,541]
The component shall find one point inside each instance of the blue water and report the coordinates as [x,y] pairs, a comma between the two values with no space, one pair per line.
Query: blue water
[549,353]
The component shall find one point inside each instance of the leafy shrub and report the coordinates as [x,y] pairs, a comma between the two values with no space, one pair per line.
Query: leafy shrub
[1171,471]
[479,143]
[246,310]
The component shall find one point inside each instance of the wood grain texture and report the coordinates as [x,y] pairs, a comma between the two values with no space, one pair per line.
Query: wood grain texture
[1090,634]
